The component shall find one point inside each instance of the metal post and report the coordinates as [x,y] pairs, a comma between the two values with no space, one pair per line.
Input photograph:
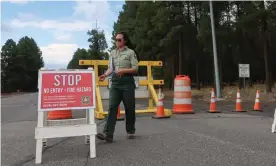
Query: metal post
[215,51]
[244,83]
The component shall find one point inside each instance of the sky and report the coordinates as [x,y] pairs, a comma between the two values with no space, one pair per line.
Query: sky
[58,27]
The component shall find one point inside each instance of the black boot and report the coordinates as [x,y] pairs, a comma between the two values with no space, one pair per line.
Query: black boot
[130,136]
[103,136]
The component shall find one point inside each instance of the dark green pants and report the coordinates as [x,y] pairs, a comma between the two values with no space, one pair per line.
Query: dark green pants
[122,89]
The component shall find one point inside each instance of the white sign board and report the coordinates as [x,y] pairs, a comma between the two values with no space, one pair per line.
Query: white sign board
[244,70]
[72,93]
[66,89]
[136,80]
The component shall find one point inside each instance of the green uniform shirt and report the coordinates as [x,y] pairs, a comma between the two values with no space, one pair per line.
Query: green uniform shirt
[124,59]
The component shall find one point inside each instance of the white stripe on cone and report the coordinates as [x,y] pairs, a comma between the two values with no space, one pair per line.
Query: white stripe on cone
[213,94]
[257,95]
[179,82]
[160,98]
[160,102]
[159,94]
[182,88]
[182,101]
[238,95]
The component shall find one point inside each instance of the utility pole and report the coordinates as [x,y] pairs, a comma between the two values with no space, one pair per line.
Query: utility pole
[215,51]
[96,25]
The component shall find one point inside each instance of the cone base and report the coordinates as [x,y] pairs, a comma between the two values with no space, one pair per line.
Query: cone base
[160,117]
[120,119]
[257,110]
[239,111]
[188,112]
[210,111]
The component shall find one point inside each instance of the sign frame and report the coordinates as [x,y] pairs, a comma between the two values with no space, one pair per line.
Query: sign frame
[244,70]
[41,72]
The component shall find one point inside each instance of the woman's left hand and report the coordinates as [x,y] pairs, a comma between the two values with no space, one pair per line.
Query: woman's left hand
[120,72]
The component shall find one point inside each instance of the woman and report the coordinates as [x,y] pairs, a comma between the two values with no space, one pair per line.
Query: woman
[123,65]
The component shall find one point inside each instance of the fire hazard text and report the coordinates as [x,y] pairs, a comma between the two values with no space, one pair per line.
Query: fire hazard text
[61,90]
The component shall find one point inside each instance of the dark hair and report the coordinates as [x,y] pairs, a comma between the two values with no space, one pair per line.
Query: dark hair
[128,43]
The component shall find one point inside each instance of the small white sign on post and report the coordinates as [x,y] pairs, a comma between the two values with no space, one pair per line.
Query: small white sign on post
[244,71]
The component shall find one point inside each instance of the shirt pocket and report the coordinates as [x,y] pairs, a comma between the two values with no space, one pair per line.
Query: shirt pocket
[116,61]
[125,60]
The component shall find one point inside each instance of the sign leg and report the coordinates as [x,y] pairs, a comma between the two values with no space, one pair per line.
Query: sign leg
[39,142]
[86,138]
[92,146]
[38,154]
[92,138]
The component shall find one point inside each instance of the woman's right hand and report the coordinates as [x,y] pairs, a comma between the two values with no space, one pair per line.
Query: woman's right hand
[102,77]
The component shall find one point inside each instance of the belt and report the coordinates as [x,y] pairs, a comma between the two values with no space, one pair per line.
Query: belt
[128,74]
[124,75]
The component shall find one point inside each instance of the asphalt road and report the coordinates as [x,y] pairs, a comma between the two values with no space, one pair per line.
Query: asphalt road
[226,138]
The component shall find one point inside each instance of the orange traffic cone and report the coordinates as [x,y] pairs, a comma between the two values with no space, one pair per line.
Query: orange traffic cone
[119,117]
[160,112]
[182,98]
[257,105]
[238,103]
[213,107]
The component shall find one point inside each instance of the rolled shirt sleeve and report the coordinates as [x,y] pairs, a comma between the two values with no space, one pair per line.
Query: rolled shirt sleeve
[133,60]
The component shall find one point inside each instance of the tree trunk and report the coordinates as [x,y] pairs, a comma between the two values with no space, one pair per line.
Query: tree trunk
[171,70]
[266,49]
[239,46]
[176,62]
[196,50]
[180,70]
